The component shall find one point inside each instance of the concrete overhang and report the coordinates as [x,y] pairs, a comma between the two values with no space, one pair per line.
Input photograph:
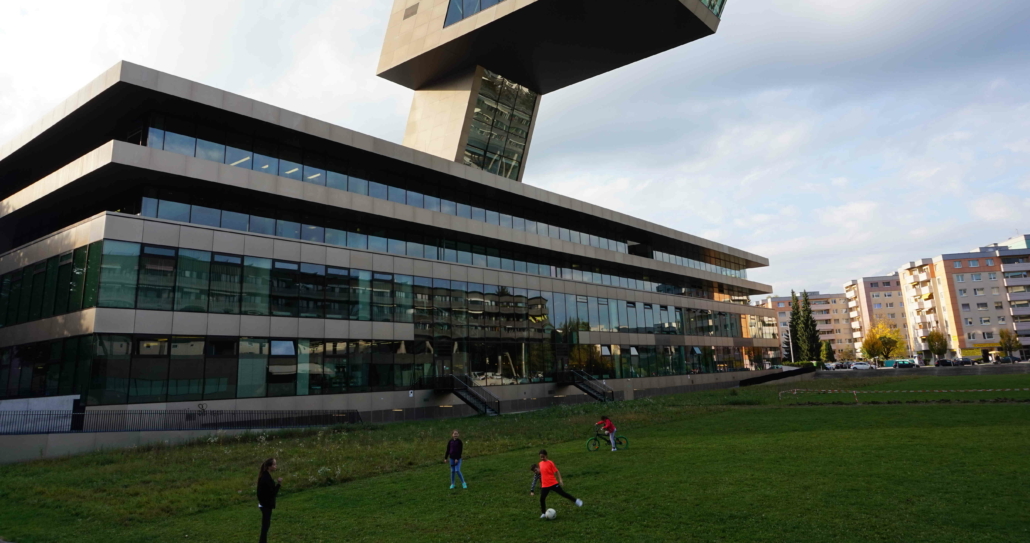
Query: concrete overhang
[97,113]
[118,167]
[545,45]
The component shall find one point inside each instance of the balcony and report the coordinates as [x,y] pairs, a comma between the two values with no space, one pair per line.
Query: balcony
[854,314]
[824,327]
[920,305]
[856,326]
[1023,326]
[1015,267]
[857,335]
[1019,311]
[919,277]
[852,304]
[1017,282]
[1018,296]
[851,293]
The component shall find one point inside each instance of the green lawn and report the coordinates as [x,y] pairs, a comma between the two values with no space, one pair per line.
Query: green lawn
[713,466]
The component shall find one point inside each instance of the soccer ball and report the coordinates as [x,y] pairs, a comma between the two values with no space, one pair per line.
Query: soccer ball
[550,514]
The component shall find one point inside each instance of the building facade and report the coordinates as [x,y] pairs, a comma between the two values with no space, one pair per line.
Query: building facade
[872,300]
[830,312]
[164,243]
[970,297]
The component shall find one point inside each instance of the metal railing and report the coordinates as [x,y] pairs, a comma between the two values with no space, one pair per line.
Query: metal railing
[592,386]
[464,383]
[54,422]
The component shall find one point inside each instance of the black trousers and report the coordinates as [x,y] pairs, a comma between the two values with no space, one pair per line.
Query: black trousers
[557,489]
[266,521]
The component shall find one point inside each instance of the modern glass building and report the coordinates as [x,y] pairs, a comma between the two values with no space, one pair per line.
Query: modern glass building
[164,243]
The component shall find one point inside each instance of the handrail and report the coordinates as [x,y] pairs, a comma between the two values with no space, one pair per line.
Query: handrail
[480,393]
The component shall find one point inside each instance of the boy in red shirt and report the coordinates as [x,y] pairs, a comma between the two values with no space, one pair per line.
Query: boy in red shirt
[550,481]
[609,428]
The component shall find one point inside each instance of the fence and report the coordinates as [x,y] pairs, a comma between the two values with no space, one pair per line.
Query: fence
[54,422]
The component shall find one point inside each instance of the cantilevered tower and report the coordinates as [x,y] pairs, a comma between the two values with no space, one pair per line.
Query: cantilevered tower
[480,67]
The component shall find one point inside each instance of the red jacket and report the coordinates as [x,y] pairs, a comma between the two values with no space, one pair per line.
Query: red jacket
[609,426]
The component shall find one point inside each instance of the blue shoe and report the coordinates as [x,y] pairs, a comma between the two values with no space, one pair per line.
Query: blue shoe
[463,485]
[452,487]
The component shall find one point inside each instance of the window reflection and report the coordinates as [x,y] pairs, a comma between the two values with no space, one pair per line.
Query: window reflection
[501,106]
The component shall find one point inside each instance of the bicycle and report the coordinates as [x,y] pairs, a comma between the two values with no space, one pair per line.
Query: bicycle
[594,443]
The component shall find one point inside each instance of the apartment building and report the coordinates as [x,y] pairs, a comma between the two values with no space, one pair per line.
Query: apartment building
[970,296]
[830,312]
[873,299]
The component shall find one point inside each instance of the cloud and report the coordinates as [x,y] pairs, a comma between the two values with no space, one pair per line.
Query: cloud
[1000,208]
[838,138]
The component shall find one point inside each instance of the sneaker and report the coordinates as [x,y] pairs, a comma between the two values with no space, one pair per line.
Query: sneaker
[452,487]
[463,485]
[613,450]
[543,516]
[579,503]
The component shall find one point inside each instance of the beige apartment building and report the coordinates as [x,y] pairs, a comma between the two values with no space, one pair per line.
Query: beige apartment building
[830,312]
[971,297]
[872,299]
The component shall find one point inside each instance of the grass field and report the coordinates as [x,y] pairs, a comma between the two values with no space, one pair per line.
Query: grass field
[735,465]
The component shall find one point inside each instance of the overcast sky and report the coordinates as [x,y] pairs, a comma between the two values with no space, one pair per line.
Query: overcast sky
[839,138]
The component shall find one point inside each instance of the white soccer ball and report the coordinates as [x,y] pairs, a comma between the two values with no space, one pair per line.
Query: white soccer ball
[550,514]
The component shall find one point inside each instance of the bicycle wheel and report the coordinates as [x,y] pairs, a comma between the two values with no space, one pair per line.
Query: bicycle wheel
[621,443]
[593,444]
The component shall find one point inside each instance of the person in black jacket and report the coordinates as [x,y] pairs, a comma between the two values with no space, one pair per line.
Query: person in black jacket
[453,456]
[267,490]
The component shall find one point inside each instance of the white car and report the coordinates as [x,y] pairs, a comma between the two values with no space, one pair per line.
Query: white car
[861,366]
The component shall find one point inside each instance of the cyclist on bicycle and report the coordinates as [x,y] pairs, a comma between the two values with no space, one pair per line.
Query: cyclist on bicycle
[609,428]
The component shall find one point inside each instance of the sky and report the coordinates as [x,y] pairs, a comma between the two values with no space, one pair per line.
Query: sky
[837,138]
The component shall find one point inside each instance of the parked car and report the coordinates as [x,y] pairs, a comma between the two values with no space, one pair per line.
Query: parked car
[964,361]
[944,362]
[861,366]
[1006,360]
[905,364]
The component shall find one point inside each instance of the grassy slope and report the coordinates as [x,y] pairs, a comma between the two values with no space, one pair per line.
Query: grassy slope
[921,473]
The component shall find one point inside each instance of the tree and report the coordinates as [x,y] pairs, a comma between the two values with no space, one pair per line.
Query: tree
[808,336]
[888,336]
[827,354]
[872,348]
[1008,341]
[848,353]
[791,353]
[937,343]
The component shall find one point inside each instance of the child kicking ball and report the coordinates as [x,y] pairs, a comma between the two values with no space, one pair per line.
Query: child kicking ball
[550,481]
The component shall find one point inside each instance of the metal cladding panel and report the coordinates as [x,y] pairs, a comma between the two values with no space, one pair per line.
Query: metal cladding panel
[551,44]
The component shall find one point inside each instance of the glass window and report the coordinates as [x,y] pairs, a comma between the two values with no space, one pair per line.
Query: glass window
[312,291]
[284,289]
[226,279]
[282,368]
[378,190]
[235,221]
[109,372]
[156,277]
[220,369]
[253,368]
[173,211]
[192,273]
[262,225]
[337,293]
[186,370]
[118,274]
[257,273]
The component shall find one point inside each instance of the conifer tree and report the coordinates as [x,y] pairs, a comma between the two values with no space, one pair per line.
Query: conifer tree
[808,336]
[790,341]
